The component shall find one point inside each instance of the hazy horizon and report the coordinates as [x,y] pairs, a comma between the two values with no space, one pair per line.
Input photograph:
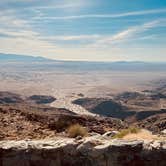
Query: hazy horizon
[97,61]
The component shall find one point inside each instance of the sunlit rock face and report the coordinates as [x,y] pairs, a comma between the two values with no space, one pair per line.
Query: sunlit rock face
[92,151]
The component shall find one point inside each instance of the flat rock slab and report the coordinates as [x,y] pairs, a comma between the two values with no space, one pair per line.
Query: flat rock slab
[90,151]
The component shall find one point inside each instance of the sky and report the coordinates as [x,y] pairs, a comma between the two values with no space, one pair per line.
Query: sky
[87,30]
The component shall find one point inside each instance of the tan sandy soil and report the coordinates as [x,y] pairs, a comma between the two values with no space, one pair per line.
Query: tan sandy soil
[143,135]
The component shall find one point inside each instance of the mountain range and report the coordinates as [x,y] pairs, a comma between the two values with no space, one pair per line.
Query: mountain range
[84,65]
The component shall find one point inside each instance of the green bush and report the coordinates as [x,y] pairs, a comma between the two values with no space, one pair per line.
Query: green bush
[124,132]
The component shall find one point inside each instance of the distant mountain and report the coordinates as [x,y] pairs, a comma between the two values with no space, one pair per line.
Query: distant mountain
[41,62]
[21,58]
[113,66]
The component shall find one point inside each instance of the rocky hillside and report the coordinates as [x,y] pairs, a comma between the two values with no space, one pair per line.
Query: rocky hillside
[145,109]
[155,123]
[104,107]
[32,117]
[28,120]
[32,133]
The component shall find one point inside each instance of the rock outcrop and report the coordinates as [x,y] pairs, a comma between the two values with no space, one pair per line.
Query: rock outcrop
[104,107]
[41,99]
[155,123]
[10,98]
[86,152]
[129,106]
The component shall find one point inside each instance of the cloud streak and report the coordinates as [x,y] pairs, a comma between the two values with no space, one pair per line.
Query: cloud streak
[92,16]
[128,34]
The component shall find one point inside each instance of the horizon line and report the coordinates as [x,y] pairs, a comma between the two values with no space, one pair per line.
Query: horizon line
[76,60]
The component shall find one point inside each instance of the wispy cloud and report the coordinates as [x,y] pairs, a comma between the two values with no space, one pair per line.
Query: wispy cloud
[60,6]
[20,32]
[86,16]
[9,20]
[128,34]
[131,33]
[73,37]
[17,36]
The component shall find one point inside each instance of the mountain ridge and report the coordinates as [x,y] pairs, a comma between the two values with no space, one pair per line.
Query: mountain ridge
[15,58]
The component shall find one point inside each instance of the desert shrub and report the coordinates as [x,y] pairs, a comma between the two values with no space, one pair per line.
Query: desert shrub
[134,130]
[124,132]
[76,130]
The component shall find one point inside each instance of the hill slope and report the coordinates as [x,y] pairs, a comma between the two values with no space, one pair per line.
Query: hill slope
[20,58]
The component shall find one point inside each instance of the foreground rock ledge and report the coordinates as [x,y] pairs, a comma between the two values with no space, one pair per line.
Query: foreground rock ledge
[85,152]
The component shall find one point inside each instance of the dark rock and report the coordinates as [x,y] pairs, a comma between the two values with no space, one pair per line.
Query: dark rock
[10,98]
[41,99]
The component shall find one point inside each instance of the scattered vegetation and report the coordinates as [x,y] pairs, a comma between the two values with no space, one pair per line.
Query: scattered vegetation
[124,132]
[76,130]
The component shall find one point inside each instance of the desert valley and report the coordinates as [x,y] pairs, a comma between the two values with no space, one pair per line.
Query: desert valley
[42,100]
[82,83]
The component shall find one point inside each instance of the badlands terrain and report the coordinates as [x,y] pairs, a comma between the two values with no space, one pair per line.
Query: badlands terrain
[120,105]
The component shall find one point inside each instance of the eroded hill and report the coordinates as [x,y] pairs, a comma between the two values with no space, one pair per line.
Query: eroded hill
[23,119]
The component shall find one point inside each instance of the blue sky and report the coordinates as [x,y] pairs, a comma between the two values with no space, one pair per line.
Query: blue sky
[94,30]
